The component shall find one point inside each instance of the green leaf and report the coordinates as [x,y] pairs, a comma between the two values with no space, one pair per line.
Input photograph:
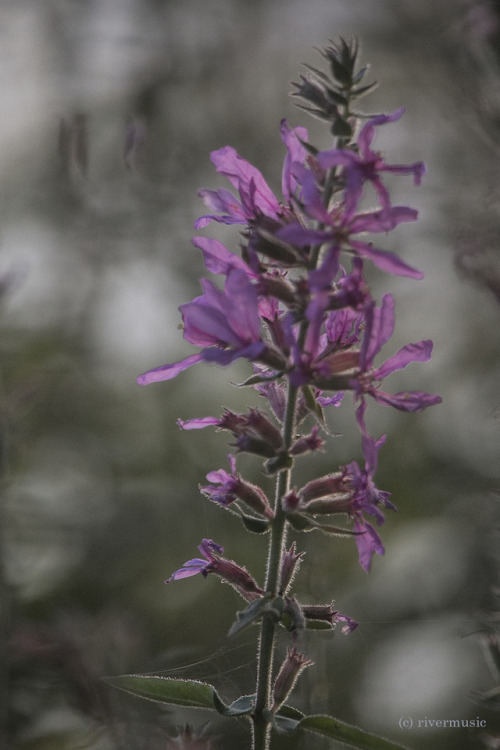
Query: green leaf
[255,525]
[312,404]
[278,463]
[255,611]
[337,730]
[256,379]
[190,693]
[242,706]
[341,128]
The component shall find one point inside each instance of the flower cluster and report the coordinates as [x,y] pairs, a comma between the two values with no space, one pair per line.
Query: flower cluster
[296,304]
[291,306]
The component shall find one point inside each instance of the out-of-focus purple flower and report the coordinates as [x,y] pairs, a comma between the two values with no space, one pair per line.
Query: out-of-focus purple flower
[379,323]
[342,223]
[225,323]
[255,196]
[228,487]
[366,165]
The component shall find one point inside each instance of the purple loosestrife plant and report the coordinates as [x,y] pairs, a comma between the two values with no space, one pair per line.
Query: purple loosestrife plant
[296,304]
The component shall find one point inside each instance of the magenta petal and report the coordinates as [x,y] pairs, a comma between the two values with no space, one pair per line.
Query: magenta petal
[218,259]
[409,401]
[336,158]
[368,542]
[419,352]
[384,220]
[246,178]
[198,423]
[386,261]
[296,153]
[301,236]
[368,131]
[167,372]
[190,568]
[379,329]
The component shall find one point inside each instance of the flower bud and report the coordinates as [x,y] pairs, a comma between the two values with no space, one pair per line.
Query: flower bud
[322,487]
[254,497]
[289,566]
[329,505]
[307,443]
[257,446]
[236,576]
[326,613]
[189,739]
[290,502]
[290,670]
[264,428]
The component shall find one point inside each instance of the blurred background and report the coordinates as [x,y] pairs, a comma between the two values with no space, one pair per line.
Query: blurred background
[109,111]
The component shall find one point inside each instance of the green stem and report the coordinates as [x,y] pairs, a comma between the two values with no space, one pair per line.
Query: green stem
[261,725]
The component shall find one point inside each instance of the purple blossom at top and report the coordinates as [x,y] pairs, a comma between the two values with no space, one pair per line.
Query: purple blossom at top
[366,165]
[225,323]
[256,197]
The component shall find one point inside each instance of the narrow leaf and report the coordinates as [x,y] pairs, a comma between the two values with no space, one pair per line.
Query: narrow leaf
[346,733]
[255,611]
[255,525]
[190,693]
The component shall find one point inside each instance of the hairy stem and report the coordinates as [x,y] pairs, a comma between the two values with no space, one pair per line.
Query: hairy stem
[261,725]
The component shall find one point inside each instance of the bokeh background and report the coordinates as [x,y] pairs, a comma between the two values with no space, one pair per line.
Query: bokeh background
[109,111]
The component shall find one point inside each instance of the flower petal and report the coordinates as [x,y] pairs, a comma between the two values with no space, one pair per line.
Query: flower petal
[419,352]
[167,372]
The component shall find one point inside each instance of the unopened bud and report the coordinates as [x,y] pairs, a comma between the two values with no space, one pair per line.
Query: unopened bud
[290,502]
[290,670]
[236,576]
[257,446]
[264,428]
[289,566]
[307,443]
[329,505]
[322,487]
[254,497]
[326,613]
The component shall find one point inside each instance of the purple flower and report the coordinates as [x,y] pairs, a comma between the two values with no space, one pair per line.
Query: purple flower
[256,197]
[341,223]
[351,491]
[379,328]
[218,259]
[365,165]
[229,571]
[225,323]
[366,498]
[197,565]
[226,488]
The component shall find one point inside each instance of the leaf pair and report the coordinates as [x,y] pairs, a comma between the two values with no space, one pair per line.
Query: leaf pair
[196,694]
